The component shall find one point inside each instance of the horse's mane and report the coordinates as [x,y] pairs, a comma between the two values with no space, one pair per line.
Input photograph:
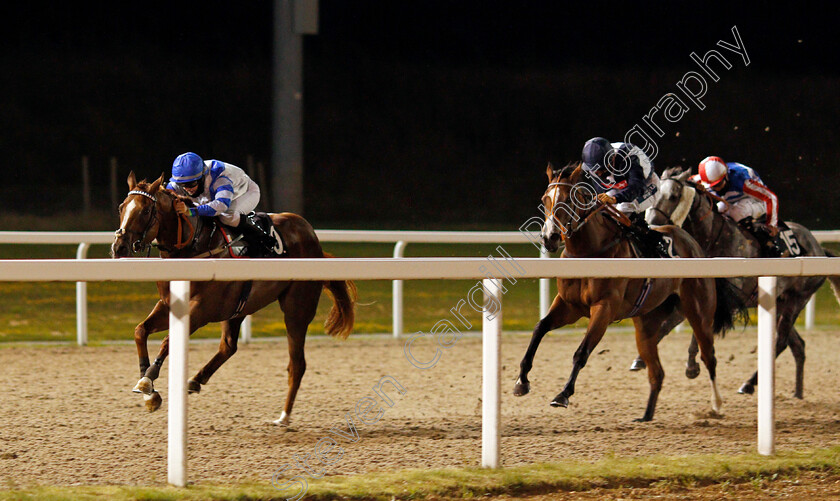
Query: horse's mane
[144,185]
[566,170]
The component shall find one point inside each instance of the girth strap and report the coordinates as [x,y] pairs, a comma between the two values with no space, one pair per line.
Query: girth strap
[640,301]
[243,298]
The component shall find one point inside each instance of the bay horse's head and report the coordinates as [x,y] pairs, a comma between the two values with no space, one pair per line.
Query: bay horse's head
[567,200]
[674,200]
[139,222]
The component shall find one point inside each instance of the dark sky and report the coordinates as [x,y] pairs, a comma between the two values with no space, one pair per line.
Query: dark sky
[478,91]
[540,33]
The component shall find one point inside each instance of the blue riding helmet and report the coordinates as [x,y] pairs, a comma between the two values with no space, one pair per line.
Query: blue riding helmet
[595,153]
[186,168]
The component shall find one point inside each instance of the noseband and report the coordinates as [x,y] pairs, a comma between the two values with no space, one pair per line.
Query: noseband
[140,244]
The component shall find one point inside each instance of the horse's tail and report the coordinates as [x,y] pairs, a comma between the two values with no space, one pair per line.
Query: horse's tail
[834,280]
[342,315]
[731,307]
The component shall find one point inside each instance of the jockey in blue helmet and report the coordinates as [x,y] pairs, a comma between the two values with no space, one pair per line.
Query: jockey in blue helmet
[221,190]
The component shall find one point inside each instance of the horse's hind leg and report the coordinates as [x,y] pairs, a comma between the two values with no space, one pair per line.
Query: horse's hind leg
[559,314]
[699,311]
[797,347]
[647,339]
[664,329]
[786,335]
[227,347]
[299,304]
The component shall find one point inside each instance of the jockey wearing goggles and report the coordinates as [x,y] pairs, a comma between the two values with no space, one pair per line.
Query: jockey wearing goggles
[748,199]
[220,190]
[622,174]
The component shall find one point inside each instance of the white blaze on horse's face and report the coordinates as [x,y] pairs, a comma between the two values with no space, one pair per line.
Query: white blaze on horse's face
[551,198]
[128,212]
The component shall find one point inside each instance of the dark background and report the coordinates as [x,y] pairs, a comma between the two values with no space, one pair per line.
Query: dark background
[417,114]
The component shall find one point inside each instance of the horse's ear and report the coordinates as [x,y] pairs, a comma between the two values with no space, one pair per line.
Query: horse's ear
[156,185]
[132,181]
[549,171]
[684,175]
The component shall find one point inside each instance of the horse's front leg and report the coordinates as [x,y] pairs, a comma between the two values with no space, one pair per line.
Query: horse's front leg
[158,320]
[559,314]
[600,316]
[227,347]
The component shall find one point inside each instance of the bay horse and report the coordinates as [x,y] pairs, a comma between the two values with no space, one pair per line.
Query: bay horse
[147,215]
[592,229]
[687,204]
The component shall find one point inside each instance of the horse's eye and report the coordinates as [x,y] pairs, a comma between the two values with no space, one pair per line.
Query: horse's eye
[146,211]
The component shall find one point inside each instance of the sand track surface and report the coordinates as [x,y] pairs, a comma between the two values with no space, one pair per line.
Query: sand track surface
[68,415]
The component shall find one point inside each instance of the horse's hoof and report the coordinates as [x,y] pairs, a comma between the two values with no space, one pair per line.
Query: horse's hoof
[692,371]
[521,388]
[560,401]
[283,421]
[193,386]
[797,394]
[642,420]
[638,365]
[746,389]
[153,401]
[144,386]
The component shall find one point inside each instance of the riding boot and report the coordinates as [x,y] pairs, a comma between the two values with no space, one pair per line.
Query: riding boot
[769,244]
[649,240]
[260,242]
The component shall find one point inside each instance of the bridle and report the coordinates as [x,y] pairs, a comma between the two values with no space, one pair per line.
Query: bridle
[620,217]
[140,244]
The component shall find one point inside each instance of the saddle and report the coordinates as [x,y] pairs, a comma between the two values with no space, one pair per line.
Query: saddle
[784,244]
[241,244]
[647,242]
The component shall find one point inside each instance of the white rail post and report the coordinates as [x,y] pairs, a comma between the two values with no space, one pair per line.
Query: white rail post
[81,301]
[491,378]
[179,335]
[397,294]
[766,364]
[545,288]
[810,312]
[245,332]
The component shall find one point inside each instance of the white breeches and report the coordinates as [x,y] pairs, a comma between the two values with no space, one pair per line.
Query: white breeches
[243,204]
[743,208]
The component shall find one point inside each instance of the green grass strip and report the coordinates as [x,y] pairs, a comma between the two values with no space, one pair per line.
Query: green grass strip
[612,472]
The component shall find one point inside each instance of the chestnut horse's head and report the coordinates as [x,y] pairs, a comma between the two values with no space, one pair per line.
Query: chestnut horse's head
[139,220]
[566,201]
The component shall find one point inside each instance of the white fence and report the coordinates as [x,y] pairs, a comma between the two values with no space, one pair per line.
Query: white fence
[181,271]
[400,238]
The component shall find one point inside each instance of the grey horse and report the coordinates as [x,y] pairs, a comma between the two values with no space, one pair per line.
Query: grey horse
[681,203]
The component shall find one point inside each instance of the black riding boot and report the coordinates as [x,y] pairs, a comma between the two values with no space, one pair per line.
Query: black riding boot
[649,240]
[767,243]
[260,243]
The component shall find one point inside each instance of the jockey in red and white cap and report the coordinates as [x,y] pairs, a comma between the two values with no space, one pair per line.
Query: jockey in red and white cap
[745,194]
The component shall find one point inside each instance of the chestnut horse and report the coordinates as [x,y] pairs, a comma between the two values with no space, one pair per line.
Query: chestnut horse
[147,215]
[591,229]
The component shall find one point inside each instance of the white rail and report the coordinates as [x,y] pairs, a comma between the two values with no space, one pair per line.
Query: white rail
[181,271]
[400,238]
